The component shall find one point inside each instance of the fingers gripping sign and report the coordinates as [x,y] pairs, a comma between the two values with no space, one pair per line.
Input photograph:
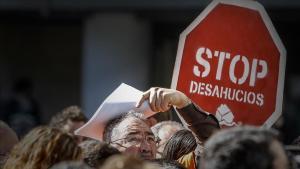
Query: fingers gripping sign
[161,99]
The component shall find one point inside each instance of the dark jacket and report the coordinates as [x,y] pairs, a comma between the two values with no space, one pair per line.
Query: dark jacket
[201,123]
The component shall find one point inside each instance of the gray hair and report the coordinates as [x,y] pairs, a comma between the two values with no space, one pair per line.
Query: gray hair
[156,128]
[113,123]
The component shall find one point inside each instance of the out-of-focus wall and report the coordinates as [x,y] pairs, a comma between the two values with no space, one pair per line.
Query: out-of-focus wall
[116,49]
[49,54]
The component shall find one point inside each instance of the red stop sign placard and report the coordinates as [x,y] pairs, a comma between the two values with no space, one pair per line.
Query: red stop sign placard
[231,62]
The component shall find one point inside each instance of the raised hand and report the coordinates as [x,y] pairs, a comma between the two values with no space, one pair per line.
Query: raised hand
[161,99]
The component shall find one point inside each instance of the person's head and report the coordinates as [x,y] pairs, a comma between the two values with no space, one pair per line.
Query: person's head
[8,140]
[88,146]
[181,143]
[167,164]
[130,133]
[69,120]
[71,165]
[95,152]
[244,148]
[127,162]
[41,148]
[164,130]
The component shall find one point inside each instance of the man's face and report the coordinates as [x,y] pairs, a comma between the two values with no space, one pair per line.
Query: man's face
[134,136]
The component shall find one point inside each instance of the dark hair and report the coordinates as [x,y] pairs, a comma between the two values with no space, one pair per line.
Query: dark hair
[240,148]
[111,124]
[181,143]
[168,164]
[73,113]
[88,145]
[95,152]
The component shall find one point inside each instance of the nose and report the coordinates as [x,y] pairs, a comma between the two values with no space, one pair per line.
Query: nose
[145,146]
[147,151]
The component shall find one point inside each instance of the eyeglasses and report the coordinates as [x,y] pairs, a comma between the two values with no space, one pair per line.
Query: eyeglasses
[137,140]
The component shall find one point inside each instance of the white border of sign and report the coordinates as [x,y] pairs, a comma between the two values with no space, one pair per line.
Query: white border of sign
[257,7]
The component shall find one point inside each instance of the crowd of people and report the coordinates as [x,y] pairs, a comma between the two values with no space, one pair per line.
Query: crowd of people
[132,142]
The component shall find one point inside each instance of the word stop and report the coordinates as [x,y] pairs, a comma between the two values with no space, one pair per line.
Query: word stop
[257,69]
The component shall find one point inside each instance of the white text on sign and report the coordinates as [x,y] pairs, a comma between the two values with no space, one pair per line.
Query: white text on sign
[258,69]
[223,56]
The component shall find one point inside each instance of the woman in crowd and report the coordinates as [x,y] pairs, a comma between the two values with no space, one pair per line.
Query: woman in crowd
[181,148]
[181,143]
[41,148]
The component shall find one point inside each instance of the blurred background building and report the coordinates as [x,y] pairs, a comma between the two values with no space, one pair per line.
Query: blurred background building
[56,53]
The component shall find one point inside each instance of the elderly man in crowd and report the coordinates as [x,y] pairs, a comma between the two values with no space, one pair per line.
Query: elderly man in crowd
[131,134]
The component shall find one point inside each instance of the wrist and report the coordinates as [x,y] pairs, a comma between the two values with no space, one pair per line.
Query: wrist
[183,101]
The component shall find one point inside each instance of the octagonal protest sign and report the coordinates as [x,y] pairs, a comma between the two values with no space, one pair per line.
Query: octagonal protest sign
[231,62]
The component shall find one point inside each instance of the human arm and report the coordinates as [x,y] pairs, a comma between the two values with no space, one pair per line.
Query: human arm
[161,99]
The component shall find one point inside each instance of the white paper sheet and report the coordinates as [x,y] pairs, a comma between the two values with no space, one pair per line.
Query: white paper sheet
[121,100]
